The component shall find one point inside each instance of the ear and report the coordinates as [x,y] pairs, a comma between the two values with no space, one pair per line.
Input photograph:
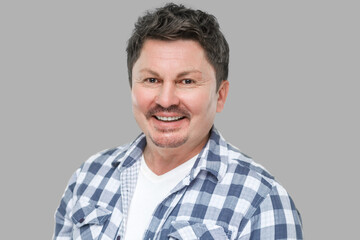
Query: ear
[222,95]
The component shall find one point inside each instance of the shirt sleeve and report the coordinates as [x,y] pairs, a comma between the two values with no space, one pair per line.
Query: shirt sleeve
[275,218]
[63,223]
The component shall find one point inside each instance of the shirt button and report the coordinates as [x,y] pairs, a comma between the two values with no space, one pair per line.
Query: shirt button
[81,220]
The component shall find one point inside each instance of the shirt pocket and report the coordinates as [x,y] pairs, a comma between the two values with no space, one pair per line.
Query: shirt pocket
[182,230]
[88,220]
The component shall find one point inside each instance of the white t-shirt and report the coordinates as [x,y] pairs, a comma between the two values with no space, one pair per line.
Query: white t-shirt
[150,191]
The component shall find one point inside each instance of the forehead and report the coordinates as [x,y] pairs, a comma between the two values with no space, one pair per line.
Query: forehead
[172,54]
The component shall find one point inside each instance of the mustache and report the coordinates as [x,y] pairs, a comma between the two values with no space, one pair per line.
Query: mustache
[171,109]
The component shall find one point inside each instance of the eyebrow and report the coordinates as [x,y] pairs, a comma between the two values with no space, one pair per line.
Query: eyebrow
[150,71]
[182,74]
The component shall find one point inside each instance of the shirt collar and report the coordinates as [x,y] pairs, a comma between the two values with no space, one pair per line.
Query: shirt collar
[131,153]
[212,158]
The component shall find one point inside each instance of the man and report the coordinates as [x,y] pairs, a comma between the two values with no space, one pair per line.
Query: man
[179,179]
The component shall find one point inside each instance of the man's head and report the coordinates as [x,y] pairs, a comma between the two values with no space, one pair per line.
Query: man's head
[178,62]
[176,22]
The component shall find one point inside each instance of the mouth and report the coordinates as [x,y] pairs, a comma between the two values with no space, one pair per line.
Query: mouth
[169,119]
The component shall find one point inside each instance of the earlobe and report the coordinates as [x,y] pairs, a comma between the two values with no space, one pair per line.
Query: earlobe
[222,95]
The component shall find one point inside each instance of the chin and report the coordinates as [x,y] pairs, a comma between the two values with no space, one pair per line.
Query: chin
[168,142]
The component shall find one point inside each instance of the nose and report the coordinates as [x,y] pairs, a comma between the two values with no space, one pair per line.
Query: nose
[167,95]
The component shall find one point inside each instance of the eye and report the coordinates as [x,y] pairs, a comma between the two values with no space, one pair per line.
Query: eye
[151,80]
[187,81]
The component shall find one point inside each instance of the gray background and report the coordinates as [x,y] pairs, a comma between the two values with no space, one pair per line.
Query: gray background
[293,101]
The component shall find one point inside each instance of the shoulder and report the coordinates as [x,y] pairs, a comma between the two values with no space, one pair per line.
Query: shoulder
[270,201]
[275,216]
[98,166]
[104,158]
[256,181]
[241,164]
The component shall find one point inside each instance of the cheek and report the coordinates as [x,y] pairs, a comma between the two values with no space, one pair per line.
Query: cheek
[201,103]
[141,100]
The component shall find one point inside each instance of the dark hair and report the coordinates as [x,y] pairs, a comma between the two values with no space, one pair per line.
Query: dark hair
[173,22]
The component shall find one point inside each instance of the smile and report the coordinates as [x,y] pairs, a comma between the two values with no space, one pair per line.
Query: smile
[168,119]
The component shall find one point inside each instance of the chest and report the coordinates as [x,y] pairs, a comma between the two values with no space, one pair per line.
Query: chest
[201,208]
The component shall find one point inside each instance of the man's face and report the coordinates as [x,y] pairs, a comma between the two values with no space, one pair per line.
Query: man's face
[174,94]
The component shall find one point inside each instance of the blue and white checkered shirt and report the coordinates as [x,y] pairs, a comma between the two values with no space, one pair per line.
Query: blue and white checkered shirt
[225,196]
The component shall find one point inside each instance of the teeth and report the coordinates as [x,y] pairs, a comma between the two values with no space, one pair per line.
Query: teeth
[168,119]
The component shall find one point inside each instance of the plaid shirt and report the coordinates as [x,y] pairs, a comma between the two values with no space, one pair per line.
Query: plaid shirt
[225,196]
